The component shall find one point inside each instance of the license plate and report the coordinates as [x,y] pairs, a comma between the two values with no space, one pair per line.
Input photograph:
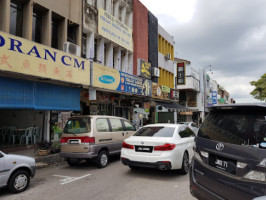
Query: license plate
[222,163]
[143,149]
[74,141]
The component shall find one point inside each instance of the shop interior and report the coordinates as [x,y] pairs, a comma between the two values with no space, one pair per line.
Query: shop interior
[20,127]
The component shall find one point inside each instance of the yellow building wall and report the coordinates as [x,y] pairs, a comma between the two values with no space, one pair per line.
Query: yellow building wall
[166,78]
[165,47]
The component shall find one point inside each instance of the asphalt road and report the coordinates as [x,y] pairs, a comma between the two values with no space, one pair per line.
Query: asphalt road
[115,182]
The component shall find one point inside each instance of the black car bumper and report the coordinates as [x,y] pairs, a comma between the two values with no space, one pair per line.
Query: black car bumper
[158,165]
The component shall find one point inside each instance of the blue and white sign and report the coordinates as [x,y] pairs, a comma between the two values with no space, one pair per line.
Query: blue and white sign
[214,97]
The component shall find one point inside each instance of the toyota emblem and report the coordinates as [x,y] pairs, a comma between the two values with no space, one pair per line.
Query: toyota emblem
[220,146]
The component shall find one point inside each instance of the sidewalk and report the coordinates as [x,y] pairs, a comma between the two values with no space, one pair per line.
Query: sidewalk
[41,161]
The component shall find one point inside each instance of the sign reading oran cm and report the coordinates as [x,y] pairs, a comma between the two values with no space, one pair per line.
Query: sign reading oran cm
[23,56]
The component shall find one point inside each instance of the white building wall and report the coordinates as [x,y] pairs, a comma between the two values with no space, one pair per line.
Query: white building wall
[109,53]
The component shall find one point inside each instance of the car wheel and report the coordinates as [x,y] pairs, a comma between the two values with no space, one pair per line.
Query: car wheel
[19,181]
[102,159]
[185,164]
[73,161]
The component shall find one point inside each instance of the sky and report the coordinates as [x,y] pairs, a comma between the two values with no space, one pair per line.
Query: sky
[228,35]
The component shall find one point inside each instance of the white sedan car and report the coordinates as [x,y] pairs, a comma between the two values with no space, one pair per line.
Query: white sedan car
[160,146]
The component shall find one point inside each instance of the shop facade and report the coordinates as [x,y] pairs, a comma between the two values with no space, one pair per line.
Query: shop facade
[36,82]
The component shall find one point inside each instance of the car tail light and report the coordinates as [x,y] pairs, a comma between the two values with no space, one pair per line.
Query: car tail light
[127,146]
[165,147]
[90,140]
[63,140]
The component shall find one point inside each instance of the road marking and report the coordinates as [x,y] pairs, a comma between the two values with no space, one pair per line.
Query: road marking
[68,179]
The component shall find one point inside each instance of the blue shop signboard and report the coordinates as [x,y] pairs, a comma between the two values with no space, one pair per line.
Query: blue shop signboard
[109,78]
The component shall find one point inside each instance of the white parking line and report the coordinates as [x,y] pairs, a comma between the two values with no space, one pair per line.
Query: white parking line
[68,179]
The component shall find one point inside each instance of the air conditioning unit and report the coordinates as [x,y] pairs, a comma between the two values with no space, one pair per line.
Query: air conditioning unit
[72,48]
[155,72]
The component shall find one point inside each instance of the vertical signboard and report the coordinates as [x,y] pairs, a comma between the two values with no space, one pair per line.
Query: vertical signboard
[144,69]
[181,73]
[214,97]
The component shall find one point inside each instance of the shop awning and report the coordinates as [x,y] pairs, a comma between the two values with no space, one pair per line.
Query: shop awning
[55,97]
[16,94]
[172,105]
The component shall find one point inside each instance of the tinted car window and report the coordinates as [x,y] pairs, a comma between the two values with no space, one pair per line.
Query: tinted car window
[158,131]
[242,127]
[186,133]
[102,125]
[116,125]
[78,126]
[129,126]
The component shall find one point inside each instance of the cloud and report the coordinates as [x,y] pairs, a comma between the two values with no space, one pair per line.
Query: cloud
[229,35]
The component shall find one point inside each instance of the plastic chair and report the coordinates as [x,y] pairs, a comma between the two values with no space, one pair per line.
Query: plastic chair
[27,135]
[3,134]
[12,134]
[35,134]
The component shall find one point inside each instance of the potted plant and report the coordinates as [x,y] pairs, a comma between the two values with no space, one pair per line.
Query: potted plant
[43,147]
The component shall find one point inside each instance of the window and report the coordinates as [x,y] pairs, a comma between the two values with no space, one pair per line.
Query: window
[129,126]
[116,125]
[240,127]
[37,26]
[186,132]
[78,126]
[16,18]
[72,32]
[55,25]
[84,43]
[158,131]
[102,125]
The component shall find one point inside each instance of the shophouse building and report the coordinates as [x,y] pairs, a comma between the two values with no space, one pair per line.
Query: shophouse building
[40,81]
[104,57]
[188,83]
[163,92]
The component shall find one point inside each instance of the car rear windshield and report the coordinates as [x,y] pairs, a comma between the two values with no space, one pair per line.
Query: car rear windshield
[242,127]
[82,125]
[158,131]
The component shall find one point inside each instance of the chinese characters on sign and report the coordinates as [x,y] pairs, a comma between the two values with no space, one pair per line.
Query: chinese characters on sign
[26,57]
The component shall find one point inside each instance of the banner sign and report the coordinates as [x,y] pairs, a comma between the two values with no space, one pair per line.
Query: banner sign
[26,57]
[114,30]
[144,69]
[109,78]
[164,92]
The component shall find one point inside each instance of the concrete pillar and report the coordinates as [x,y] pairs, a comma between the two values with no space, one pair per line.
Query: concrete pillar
[109,55]
[90,46]
[62,31]
[130,63]
[116,9]
[100,50]
[123,12]
[47,28]
[117,58]
[124,61]
[4,15]
[27,20]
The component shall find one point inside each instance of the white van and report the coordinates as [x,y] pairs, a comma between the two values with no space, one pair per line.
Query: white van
[94,137]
